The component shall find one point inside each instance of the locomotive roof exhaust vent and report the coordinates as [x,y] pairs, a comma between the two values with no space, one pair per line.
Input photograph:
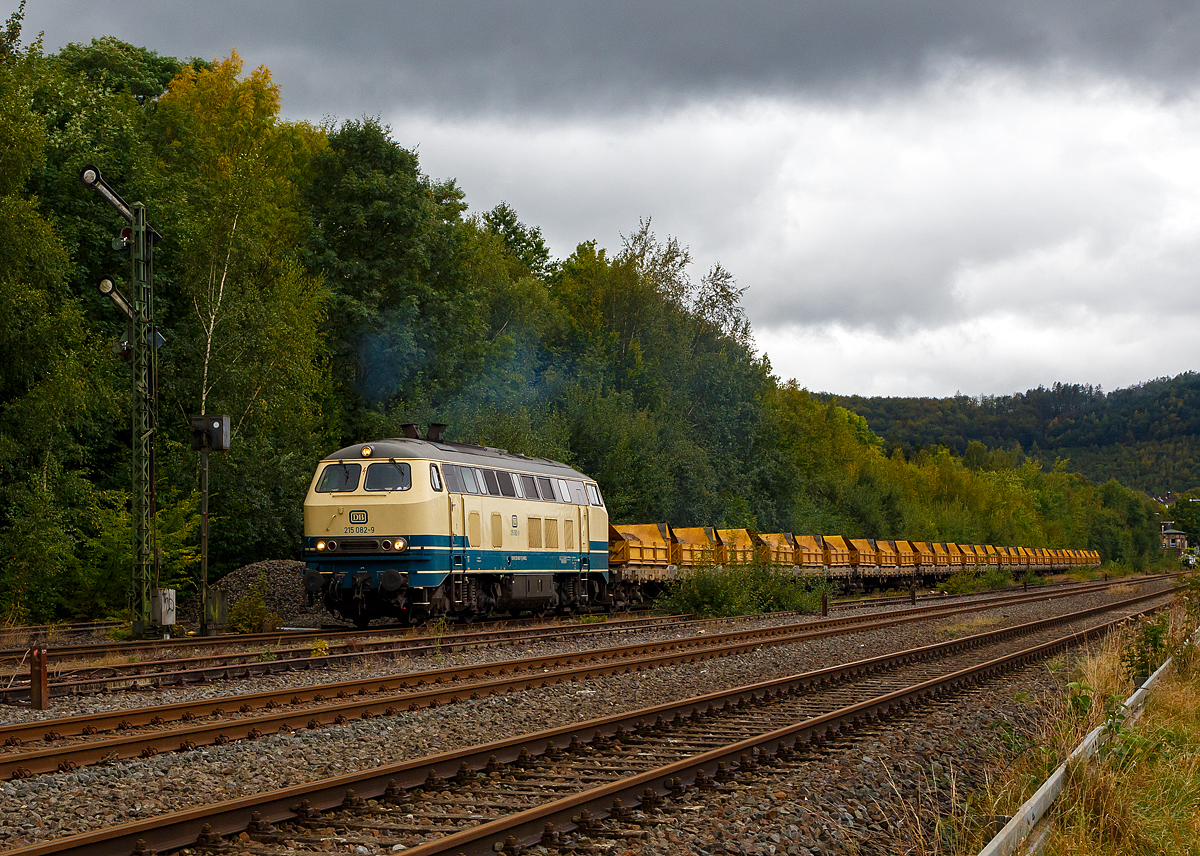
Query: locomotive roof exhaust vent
[435,434]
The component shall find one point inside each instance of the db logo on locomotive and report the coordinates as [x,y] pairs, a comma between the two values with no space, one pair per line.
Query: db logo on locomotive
[358,517]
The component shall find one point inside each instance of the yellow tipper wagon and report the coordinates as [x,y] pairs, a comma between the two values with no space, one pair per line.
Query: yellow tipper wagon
[956,556]
[906,557]
[641,551]
[810,555]
[781,548]
[742,547]
[887,558]
[941,559]
[698,545]
[837,554]
[926,562]
[971,559]
[992,555]
[864,556]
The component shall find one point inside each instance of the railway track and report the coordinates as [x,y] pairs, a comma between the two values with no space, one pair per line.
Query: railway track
[604,777]
[69,678]
[170,671]
[11,656]
[68,743]
[16,655]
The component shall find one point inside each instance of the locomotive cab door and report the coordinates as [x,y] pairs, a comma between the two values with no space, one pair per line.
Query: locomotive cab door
[458,549]
[585,541]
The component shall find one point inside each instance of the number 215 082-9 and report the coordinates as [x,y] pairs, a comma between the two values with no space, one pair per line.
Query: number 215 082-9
[358,530]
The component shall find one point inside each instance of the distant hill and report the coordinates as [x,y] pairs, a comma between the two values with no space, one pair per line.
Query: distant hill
[1146,436]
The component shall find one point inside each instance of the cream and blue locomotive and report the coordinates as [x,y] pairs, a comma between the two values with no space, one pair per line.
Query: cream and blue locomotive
[416,528]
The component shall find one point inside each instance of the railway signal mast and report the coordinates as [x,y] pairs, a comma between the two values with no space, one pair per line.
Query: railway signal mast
[139,240]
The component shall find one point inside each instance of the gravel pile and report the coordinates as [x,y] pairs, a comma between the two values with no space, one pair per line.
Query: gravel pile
[49,806]
[285,595]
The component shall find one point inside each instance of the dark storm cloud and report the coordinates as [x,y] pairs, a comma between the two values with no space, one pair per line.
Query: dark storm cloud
[556,57]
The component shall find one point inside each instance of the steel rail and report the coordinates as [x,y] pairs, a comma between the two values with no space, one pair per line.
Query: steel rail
[244,664]
[13,655]
[8,656]
[428,645]
[89,723]
[537,674]
[257,812]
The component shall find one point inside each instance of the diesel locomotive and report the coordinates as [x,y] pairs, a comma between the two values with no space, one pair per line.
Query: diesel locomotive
[419,527]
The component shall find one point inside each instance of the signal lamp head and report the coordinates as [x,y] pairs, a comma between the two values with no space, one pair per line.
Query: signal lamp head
[106,285]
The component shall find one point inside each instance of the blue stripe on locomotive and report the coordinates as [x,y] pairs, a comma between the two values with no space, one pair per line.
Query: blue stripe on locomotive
[427,561]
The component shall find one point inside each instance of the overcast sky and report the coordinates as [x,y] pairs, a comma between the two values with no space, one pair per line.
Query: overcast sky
[922,197]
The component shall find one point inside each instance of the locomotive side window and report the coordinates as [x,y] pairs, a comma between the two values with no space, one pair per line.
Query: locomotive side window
[453,476]
[564,492]
[529,487]
[468,479]
[390,475]
[577,493]
[506,483]
[493,486]
[547,489]
[594,495]
[339,478]
[435,478]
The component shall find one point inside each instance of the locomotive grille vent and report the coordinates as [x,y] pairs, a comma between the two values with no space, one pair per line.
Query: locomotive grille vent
[358,545]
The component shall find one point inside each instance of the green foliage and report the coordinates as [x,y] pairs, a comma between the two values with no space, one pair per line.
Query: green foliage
[1079,698]
[1127,747]
[1191,595]
[1148,648]
[968,582]
[1147,436]
[716,591]
[108,63]
[250,613]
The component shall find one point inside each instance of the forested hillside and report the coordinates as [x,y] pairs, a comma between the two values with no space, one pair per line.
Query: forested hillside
[1146,436]
[314,284]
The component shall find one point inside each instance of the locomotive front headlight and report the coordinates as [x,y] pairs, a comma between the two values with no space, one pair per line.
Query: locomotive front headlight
[386,545]
[320,546]
[401,545]
[331,545]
